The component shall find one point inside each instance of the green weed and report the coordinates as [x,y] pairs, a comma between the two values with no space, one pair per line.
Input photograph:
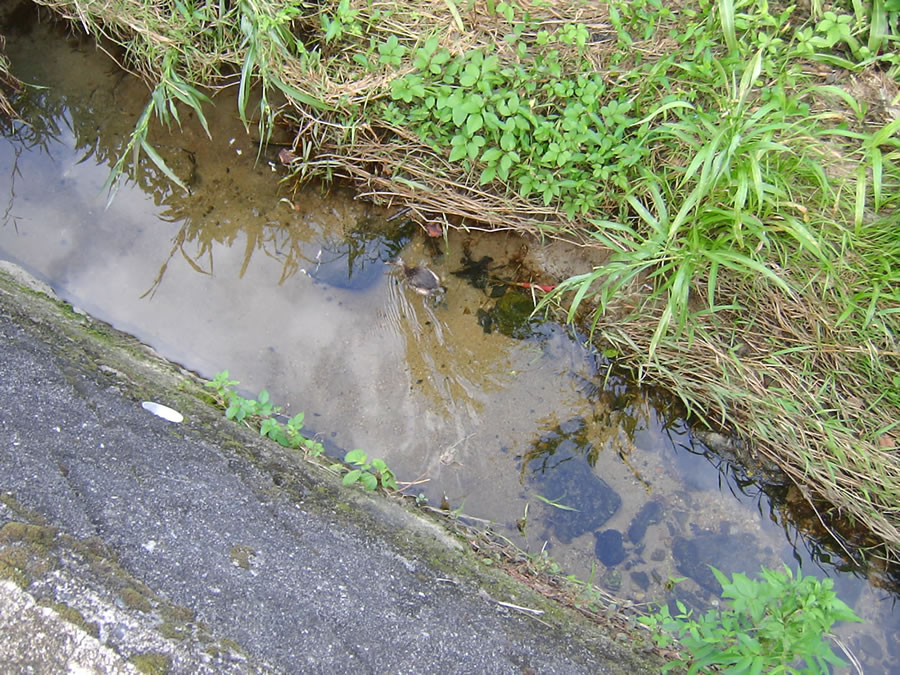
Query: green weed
[565,138]
[770,625]
[370,474]
[260,413]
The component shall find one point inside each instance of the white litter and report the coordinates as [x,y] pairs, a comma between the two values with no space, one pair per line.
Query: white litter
[163,411]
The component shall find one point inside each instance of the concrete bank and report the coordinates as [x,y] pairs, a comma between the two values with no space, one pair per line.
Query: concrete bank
[129,543]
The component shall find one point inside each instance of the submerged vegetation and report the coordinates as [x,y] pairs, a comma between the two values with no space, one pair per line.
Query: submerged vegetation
[739,159]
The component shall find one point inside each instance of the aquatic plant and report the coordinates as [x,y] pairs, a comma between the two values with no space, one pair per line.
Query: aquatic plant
[8,84]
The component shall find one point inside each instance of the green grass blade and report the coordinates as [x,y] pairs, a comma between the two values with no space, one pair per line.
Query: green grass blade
[661,327]
[726,18]
[301,96]
[884,136]
[457,19]
[660,110]
[860,201]
[555,503]
[584,285]
[749,77]
[161,165]
[247,69]
[877,175]
[745,265]
[878,26]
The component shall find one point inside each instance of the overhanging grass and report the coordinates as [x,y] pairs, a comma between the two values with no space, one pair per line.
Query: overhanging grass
[8,84]
[716,147]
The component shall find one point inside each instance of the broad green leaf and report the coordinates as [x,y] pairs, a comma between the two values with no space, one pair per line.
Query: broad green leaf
[351,477]
[458,152]
[355,456]
[491,155]
[474,123]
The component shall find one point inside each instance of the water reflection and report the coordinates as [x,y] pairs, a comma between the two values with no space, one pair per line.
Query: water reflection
[508,416]
[352,260]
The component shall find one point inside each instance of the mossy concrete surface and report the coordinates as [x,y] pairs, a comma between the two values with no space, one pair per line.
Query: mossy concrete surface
[200,547]
[34,637]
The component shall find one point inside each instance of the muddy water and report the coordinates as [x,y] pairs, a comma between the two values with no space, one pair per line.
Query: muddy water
[289,291]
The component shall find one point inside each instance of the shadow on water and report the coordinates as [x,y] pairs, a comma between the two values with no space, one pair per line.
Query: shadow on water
[509,417]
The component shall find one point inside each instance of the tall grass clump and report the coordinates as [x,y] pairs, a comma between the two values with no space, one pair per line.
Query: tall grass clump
[739,162]
[755,236]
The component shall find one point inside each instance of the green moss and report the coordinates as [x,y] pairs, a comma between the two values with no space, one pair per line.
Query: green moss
[12,532]
[24,532]
[152,663]
[178,613]
[76,618]
[12,572]
[178,622]
[134,599]
[173,631]
[232,646]
[21,513]
[21,562]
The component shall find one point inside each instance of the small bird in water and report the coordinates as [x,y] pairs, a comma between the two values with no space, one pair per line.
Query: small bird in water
[421,279]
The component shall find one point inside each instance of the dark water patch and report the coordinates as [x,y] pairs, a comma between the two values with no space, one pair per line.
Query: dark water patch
[651,513]
[356,260]
[508,308]
[641,580]
[478,273]
[557,463]
[510,315]
[609,548]
[732,552]
[823,536]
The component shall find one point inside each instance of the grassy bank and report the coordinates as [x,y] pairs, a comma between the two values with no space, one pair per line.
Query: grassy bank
[739,160]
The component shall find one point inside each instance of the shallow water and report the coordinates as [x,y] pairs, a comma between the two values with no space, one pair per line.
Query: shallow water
[289,291]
